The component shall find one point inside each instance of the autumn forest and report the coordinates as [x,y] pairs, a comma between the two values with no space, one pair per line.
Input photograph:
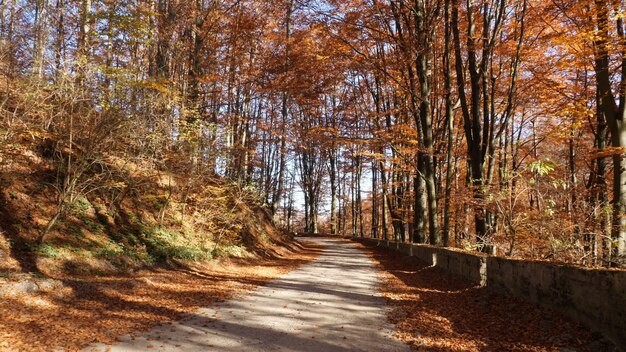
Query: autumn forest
[313,175]
[488,125]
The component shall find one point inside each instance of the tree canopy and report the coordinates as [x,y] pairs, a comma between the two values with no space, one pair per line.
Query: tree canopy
[493,125]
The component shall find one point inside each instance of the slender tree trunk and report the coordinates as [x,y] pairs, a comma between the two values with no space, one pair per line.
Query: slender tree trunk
[353,201]
[599,185]
[332,159]
[471,114]
[83,44]
[60,39]
[359,201]
[450,126]
[284,115]
[41,37]
[385,200]
[419,208]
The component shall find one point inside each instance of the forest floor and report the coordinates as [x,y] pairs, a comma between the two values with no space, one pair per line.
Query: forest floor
[435,311]
[89,309]
[329,296]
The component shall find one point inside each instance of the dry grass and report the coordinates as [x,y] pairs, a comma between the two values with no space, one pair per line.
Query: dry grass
[139,217]
[101,309]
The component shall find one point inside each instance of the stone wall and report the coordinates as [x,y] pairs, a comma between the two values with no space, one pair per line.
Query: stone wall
[596,297]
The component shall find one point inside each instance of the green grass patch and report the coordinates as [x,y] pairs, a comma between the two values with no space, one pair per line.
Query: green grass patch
[48,251]
[73,229]
[57,251]
[120,255]
[229,250]
[164,244]
[5,274]
[156,202]
[81,206]
[92,225]
[110,251]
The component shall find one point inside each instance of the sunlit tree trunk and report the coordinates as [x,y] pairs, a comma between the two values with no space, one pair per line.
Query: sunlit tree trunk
[284,112]
[41,37]
[425,123]
[59,46]
[375,199]
[332,160]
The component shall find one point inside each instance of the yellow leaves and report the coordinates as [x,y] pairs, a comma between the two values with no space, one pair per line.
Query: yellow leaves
[413,142]
[159,86]
[373,155]
[621,14]
[116,184]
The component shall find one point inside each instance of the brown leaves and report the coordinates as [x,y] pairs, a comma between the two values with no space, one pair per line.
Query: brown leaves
[101,309]
[434,311]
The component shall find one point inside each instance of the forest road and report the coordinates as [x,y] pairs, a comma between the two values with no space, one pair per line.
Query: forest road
[330,304]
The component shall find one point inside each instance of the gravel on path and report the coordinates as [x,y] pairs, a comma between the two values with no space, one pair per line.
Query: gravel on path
[331,304]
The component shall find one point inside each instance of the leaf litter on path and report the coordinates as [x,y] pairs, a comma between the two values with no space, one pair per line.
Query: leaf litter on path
[436,311]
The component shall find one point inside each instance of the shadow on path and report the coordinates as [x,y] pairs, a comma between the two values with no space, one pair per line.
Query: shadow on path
[332,304]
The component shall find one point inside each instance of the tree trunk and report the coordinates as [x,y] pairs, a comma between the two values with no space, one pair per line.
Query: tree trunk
[616,121]
[423,63]
[471,115]
[449,125]
[375,205]
[60,39]
[284,114]
[385,200]
[333,193]
[41,37]
[419,208]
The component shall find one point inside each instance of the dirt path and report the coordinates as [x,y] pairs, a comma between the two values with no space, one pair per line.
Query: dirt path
[330,304]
